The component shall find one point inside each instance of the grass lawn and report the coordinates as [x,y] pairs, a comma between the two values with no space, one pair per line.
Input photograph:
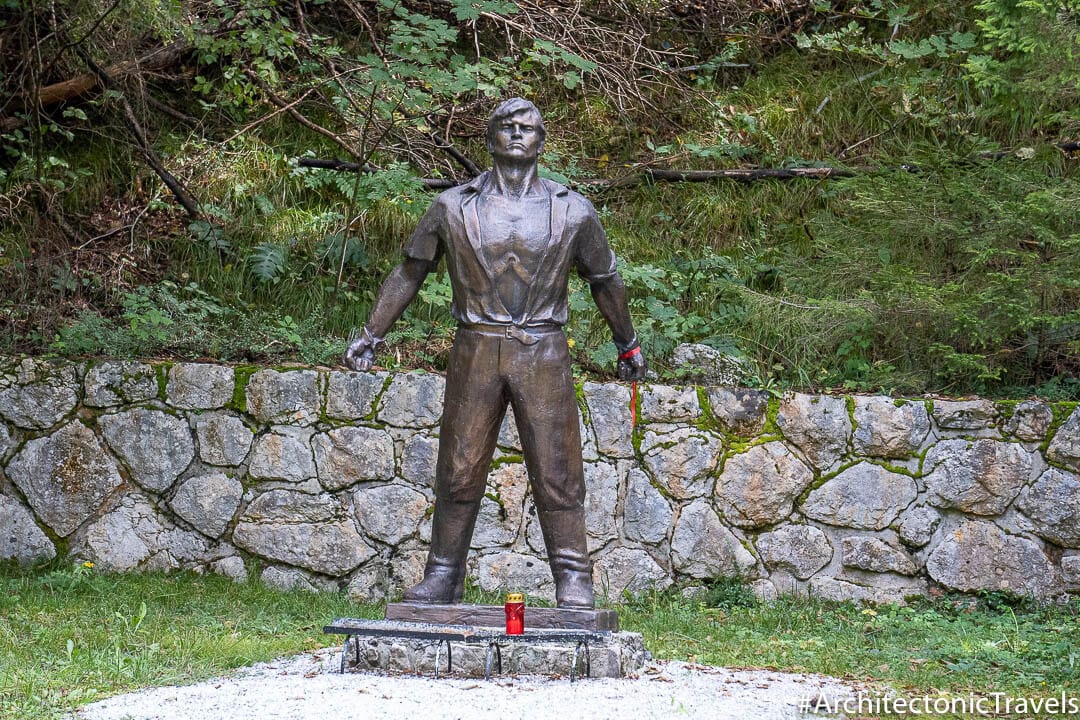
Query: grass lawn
[71,636]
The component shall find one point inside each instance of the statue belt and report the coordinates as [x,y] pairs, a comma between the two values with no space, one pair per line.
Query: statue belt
[529,335]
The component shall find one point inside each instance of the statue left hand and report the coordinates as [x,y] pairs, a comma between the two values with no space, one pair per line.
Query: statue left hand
[632,367]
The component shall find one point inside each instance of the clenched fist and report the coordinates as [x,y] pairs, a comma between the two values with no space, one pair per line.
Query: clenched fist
[360,355]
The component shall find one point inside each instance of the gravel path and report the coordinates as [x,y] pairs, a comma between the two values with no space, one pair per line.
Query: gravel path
[306,687]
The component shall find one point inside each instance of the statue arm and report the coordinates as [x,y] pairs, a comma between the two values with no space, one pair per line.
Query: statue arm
[610,297]
[397,291]
[596,265]
[422,253]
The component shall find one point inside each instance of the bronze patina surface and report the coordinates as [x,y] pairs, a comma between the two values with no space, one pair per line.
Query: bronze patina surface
[510,240]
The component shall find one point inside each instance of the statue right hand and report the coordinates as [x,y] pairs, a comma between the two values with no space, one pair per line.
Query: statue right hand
[360,355]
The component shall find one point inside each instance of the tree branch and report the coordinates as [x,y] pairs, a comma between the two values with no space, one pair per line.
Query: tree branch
[178,190]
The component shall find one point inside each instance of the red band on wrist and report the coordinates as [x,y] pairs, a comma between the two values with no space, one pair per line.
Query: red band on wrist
[630,353]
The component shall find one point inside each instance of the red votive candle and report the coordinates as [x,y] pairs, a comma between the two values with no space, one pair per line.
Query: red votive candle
[515,613]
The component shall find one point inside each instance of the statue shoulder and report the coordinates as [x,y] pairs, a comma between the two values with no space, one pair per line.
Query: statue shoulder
[578,203]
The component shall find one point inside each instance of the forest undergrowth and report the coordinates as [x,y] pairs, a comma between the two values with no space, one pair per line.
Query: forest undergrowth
[156,203]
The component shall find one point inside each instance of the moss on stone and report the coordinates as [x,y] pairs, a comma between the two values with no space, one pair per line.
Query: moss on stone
[241,376]
[370,417]
[507,460]
[772,411]
[161,373]
[894,468]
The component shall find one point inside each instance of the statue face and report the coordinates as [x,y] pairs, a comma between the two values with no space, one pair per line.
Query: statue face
[517,138]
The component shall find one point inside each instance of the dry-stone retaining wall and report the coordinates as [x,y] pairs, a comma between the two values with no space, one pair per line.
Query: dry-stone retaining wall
[322,479]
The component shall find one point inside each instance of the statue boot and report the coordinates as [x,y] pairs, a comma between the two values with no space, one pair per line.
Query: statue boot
[444,574]
[568,553]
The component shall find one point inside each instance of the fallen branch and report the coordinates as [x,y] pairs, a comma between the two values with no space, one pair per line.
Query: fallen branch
[158,59]
[346,166]
[179,192]
[298,116]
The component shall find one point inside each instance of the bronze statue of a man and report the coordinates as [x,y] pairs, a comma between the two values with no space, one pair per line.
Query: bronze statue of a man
[510,239]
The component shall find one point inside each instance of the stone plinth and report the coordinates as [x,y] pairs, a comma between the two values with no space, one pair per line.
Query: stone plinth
[551,653]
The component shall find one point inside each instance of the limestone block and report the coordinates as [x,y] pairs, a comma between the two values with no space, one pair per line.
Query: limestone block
[609,410]
[348,455]
[886,429]
[413,400]
[980,477]
[711,365]
[764,590]
[703,548]
[292,579]
[601,498]
[978,555]
[1030,420]
[759,487]
[308,531]
[828,588]
[514,572]
[389,513]
[682,461]
[647,514]
[112,383]
[1053,503]
[284,453]
[917,525]
[407,569]
[863,496]
[64,476]
[660,403]
[875,555]
[135,535]
[351,395]
[369,583]
[965,414]
[818,424]
[1070,569]
[739,410]
[1065,447]
[199,386]
[501,511]
[418,459]
[284,398]
[508,432]
[21,539]
[208,502]
[224,439]
[627,571]
[8,441]
[155,445]
[231,567]
[39,394]
[802,550]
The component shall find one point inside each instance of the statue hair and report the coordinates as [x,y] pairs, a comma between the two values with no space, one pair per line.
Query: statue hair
[508,108]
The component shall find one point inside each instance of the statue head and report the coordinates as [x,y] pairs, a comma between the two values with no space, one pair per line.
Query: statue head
[515,111]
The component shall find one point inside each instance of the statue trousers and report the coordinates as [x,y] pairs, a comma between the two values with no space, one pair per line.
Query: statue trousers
[490,369]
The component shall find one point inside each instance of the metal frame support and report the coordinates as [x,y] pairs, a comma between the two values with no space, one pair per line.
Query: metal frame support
[449,657]
[588,660]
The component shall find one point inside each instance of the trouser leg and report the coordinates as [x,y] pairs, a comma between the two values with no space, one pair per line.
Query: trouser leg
[473,409]
[545,406]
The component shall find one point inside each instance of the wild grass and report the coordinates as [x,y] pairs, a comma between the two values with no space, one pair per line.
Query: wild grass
[69,636]
[960,646]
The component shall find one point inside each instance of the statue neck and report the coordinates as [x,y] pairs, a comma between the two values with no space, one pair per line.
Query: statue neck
[514,181]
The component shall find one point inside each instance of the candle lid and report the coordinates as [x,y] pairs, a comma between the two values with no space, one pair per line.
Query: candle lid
[515,597]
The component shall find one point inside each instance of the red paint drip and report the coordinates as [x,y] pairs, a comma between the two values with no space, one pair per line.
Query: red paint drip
[633,386]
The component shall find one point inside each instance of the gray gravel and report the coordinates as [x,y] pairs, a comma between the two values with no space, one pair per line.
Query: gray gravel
[306,687]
